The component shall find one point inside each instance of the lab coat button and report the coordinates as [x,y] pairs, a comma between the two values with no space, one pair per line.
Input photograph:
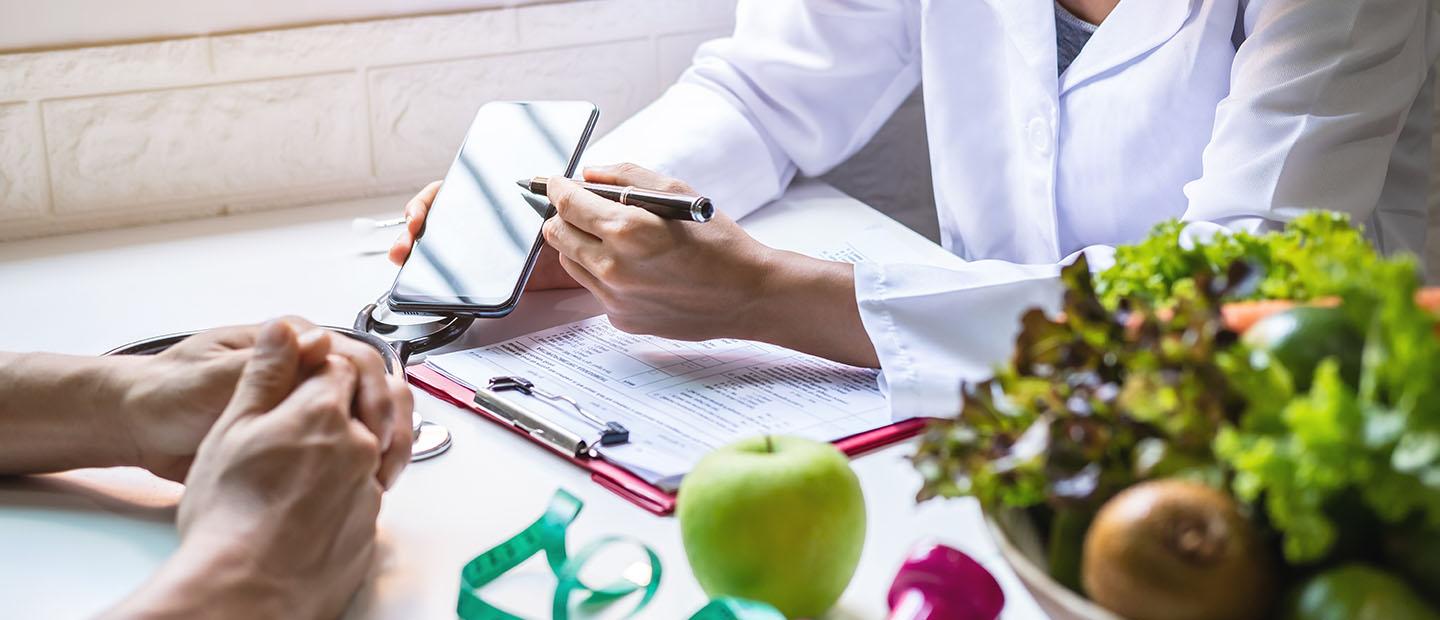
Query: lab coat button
[1040,135]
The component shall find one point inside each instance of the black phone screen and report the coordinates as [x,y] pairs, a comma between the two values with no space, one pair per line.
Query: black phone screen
[483,230]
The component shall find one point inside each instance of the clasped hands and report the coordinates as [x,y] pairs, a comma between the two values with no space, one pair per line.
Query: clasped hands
[283,488]
[170,401]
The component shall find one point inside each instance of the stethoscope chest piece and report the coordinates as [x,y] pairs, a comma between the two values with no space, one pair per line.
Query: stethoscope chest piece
[431,440]
[410,336]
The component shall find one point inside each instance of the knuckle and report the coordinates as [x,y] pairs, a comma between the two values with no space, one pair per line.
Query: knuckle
[560,197]
[637,227]
[326,403]
[365,358]
[342,367]
[561,194]
[364,444]
[675,186]
[621,228]
[628,168]
[606,268]
[299,323]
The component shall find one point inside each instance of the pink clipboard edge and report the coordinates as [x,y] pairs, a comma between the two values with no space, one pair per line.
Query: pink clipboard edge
[617,479]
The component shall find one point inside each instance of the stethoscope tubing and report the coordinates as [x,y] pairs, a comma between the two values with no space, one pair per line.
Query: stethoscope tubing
[394,364]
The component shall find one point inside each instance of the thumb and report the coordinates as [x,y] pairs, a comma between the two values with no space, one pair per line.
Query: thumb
[270,375]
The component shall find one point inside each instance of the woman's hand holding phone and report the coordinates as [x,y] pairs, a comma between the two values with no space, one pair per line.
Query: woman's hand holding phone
[548,273]
[682,280]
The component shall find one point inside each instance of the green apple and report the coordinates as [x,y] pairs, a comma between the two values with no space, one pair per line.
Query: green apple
[774,519]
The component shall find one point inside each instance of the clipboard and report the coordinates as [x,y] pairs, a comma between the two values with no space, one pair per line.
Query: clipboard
[613,477]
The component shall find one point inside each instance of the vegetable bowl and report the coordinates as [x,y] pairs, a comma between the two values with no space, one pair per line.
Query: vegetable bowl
[1243,428]
[1023,548]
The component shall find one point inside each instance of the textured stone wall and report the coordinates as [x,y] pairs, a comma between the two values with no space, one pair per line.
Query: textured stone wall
[98,137]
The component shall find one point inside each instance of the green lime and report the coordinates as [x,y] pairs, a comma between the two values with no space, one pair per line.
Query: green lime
[1357,592]
[1302,337]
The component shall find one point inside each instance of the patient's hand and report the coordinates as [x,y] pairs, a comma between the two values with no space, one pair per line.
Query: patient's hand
[548,273]
[278,516]
[172,399]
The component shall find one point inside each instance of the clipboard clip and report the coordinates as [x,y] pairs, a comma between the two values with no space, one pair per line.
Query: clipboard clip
[556,435]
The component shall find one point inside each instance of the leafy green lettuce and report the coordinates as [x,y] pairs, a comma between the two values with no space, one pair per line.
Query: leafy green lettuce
[1141,380]
[1297,454]
[1090,404]
[1314,256]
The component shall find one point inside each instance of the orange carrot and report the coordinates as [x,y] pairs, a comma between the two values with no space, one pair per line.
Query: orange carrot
[1242,315]
[1429,299]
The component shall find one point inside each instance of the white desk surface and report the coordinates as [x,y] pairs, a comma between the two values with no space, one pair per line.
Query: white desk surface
[73,543]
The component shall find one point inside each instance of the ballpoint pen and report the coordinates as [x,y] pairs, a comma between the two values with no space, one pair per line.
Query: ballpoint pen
[664,204]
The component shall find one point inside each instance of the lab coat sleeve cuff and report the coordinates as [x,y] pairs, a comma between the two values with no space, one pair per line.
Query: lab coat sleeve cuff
[702,137]
[935,327]
[913,389]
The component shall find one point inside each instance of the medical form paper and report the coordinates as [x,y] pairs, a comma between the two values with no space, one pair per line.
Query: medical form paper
[678,399]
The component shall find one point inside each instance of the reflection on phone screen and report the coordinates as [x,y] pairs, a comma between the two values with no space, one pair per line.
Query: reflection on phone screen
[482,227]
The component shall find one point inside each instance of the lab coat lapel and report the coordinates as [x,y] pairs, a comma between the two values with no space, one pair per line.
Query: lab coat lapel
[1030,25]
[1132,29]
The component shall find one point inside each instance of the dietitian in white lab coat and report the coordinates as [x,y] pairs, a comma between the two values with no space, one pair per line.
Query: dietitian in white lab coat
[1229,114]
[1224,111]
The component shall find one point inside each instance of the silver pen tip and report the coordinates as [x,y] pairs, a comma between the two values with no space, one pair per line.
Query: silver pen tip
[525,183]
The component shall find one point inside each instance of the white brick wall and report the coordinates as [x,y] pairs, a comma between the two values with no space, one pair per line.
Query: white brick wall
[126,134]
[23,190]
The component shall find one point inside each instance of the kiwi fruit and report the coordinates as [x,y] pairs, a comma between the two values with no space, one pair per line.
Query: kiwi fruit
[1176,550]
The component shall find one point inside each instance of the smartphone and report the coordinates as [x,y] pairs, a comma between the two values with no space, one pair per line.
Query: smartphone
[482,234]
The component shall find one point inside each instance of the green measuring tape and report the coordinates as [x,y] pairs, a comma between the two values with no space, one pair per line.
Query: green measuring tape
[547,535]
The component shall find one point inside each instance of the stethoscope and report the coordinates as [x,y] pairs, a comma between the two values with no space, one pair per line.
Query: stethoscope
[398,338]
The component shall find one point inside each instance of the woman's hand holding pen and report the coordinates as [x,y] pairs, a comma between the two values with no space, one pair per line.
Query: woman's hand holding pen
[656,276]
[685,280]
[692,281]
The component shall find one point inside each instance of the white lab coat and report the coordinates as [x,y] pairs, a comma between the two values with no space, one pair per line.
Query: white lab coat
[1231,113]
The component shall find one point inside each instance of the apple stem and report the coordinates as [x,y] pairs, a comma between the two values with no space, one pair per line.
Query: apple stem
[769,445]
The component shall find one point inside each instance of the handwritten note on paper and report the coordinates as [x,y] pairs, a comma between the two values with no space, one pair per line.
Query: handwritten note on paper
[680,399]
